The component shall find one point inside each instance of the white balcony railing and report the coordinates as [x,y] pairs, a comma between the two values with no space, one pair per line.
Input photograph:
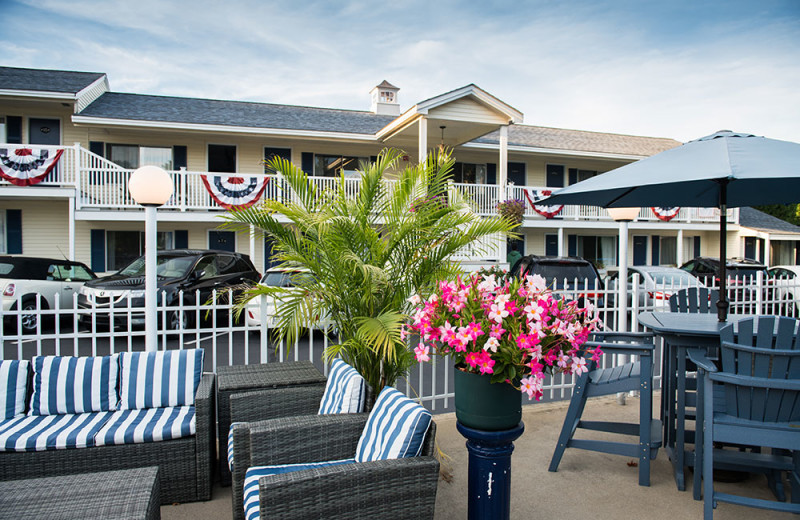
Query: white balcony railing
[102,184]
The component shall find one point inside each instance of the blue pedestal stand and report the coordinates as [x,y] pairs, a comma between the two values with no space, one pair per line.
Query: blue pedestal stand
[489,488]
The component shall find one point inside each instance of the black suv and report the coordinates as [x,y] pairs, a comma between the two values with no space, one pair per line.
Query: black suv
[740,271]
[195,272]
[580,275]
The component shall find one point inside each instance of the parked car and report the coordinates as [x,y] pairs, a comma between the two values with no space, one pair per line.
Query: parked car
[740,272]
[655,285]
[783,282]
[276,277]
[195,272]
[24,279]
[565,274]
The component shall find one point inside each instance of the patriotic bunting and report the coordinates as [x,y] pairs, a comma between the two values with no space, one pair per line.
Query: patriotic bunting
[547,211]
[232,192]
[666,213]
[25,166]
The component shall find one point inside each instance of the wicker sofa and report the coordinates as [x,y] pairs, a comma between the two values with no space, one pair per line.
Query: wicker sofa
[183,447]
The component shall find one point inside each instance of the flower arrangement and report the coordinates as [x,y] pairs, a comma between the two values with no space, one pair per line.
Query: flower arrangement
[512,209]
[515,329]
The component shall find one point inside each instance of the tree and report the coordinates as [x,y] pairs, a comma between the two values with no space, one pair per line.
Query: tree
[788,212]
[367,252]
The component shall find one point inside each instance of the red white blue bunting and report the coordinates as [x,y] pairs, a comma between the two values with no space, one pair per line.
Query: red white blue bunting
[232,192]
[547,211]
[666,213]
[26,166]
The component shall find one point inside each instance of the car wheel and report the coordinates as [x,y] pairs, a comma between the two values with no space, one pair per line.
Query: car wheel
[177,320]
[30,316]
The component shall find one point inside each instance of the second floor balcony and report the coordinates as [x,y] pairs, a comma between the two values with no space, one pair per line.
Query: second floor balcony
[100,184]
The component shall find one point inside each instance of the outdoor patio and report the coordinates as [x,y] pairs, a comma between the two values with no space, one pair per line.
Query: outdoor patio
[588,485]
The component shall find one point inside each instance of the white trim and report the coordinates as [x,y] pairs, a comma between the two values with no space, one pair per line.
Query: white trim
[38,93]
[43,192]
[312,134]
[555,151]
[103,79]
[514,115]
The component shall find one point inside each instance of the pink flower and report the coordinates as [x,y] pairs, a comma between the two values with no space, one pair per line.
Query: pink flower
[472,359]
[497,331]
[422,351]
[579,365]
[485,363]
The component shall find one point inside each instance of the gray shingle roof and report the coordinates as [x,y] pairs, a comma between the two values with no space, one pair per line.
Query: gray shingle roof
[12,78]
[579,140]
[115,105]
[755,219]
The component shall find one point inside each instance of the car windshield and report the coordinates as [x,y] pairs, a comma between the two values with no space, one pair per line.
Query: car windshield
[674,278]
[166,266]
[560,271]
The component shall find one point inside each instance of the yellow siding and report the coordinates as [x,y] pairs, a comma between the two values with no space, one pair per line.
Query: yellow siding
[45,229]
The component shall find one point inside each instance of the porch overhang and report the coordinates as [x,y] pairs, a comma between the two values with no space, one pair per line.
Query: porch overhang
[465,113]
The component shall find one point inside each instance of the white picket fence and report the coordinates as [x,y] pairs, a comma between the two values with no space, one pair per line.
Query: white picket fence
[230,342]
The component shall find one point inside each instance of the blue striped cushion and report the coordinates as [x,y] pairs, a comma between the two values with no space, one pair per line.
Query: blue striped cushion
[51,432]
[395,429]
[230,446]
[13,387]
[344,391]
[147,425]
[250,488]
[69,385]
[158,379]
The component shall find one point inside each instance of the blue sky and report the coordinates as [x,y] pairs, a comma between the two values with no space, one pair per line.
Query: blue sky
[679,69]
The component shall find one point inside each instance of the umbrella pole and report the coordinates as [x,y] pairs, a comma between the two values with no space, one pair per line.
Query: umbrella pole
[722,304]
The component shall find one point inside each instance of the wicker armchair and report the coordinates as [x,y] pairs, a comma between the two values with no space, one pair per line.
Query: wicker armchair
[387,489]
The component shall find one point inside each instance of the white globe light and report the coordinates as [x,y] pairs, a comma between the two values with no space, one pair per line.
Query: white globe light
[150,186]
[623,214]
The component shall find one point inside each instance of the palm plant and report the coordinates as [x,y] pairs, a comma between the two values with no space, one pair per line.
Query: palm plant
[366,253]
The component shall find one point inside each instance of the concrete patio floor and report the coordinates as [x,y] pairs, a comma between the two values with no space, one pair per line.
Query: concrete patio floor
[587,485]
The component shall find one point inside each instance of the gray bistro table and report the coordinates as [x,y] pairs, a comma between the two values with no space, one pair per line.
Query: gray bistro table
[681,331]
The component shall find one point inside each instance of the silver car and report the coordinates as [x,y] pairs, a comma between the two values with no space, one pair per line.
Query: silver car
[655,285]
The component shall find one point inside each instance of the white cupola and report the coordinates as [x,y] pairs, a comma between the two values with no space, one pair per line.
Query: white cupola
[384,99]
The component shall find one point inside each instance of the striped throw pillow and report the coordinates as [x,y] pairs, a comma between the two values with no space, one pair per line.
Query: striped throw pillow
[395,429]
[344,390]
[13,387]
[157,379]
[74,385]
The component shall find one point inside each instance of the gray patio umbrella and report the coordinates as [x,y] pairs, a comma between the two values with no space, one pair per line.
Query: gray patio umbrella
[722,170]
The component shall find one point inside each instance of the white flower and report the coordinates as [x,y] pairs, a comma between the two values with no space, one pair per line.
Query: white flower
[488,284]
[497,312]
[414,300]
[491,344]
[536,283]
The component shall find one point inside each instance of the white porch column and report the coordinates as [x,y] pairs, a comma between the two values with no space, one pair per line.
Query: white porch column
[71,228]
[423,139]
[679,252]
[502,175]
[767,247]
[562,250]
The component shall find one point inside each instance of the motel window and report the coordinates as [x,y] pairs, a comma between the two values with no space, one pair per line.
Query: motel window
[469,173]
[668,251]
[222,158]
[132,156]
[333,165]
[600,250]
[123,247]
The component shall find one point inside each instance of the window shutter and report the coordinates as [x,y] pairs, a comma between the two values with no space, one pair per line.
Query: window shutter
[97,147]
[697,246]
[179,157]
[308,163]
[181,239]
[551,245]
[98,250]
[573,176]
[572,245]
[14,231]
[491,173]
[655,257]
